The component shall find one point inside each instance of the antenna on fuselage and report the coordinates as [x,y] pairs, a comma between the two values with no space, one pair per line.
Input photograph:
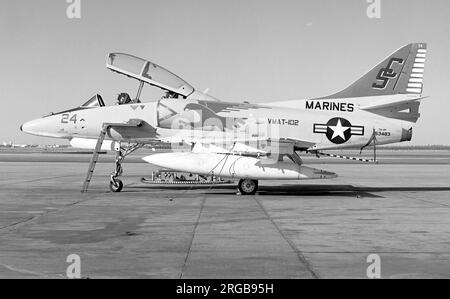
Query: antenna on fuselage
[372,140]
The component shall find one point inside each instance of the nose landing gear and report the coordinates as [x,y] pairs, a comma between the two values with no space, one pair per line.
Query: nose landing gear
[116,185]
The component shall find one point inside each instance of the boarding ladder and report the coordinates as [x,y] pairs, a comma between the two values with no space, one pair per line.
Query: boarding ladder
[136,123]
[94,158]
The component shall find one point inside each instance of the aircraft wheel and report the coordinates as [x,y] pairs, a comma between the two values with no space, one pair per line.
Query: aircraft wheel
[116,186]
[248,186]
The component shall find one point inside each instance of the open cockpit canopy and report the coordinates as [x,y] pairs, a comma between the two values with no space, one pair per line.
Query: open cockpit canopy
[148,72]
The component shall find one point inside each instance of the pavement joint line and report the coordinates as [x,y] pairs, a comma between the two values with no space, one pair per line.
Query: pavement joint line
[431,202]
[172,198]
[299,253]
[434,204]
[202,205]
[18,222]
[28,272]
[30,219]
[37,180]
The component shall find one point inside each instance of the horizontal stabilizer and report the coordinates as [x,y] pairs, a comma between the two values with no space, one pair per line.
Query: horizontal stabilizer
[405,109]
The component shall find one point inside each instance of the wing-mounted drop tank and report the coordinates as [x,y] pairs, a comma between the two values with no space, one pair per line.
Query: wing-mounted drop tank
[235,166]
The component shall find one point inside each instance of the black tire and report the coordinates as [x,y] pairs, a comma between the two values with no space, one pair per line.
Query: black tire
[116,186]
[248,186]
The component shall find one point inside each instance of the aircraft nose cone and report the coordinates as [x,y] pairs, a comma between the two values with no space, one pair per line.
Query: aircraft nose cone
[32,127]
[44,127]
[26,127]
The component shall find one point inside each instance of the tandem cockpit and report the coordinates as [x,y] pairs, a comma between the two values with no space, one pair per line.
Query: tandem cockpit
[145,72]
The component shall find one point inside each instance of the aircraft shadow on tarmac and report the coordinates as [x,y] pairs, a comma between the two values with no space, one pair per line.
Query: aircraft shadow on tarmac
[302,190]
[341,190]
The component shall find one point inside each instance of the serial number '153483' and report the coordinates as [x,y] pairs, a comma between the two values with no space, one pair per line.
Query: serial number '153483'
[386,134]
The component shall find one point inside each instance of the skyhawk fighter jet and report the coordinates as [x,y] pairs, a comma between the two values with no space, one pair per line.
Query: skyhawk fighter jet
[243,141]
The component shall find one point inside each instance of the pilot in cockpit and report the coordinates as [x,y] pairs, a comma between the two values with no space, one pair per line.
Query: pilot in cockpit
[169,95]
[123,99]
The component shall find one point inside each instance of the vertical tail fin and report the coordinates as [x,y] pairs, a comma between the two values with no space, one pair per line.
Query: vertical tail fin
[400,73]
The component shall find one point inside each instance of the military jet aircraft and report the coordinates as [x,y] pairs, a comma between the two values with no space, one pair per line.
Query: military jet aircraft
[243,141]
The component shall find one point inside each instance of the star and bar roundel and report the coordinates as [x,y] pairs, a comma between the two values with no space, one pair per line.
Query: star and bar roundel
[338,130]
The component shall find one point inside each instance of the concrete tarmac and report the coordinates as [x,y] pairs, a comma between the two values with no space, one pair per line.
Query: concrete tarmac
[307,229]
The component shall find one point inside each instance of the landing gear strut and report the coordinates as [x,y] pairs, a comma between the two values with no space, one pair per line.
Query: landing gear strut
[248,186]
[116,185]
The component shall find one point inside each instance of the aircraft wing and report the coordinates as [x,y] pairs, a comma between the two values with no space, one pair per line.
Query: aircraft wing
[244,147]
[135,130]
[139,131]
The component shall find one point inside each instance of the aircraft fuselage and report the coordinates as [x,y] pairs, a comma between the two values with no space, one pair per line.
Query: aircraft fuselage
[328,124]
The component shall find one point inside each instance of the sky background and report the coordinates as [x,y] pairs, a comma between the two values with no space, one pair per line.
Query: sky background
[255,50]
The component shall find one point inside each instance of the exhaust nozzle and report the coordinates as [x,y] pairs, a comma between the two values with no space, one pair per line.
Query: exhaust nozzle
[406,135]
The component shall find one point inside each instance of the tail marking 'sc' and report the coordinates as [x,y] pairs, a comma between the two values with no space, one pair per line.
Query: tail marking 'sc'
[400,73]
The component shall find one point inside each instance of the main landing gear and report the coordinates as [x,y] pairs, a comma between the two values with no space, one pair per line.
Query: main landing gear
[248,186]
